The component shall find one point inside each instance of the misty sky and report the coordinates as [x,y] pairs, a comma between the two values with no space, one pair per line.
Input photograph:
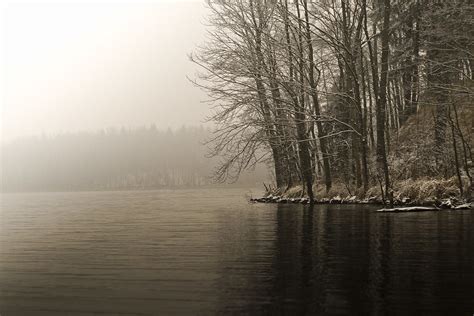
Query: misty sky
[87,65]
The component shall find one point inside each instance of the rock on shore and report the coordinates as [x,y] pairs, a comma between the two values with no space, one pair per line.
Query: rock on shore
[403,205]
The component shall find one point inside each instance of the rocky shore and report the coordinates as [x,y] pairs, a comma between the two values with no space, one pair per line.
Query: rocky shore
[404,204]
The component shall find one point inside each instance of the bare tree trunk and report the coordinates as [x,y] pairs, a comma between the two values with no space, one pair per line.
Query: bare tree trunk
[317,108]
[456,159]
[300,117]
[261,91]
[382,163]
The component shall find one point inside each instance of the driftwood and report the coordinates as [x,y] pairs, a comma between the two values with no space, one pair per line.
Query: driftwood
[408,209]
[466,206]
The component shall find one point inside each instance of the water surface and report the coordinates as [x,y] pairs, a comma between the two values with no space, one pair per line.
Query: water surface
[210,252]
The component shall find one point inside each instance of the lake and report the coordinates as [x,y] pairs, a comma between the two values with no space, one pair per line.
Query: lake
[200,252]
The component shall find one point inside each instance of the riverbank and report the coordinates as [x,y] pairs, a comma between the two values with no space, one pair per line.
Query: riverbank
[439,193]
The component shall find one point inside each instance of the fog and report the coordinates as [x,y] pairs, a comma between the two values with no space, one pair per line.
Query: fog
[114,159]
[86,65]
[96,96]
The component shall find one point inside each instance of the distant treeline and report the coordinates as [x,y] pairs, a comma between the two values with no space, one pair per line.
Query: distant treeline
[112,159]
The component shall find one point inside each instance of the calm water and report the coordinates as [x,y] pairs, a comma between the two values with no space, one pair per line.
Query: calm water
[210,252]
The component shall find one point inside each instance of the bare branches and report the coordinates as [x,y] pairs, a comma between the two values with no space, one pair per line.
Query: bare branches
[300,82]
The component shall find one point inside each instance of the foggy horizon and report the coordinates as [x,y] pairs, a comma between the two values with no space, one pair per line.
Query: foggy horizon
[111,72]
[236,157]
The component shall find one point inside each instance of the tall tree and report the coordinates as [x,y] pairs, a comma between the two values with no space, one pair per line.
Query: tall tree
[382,163]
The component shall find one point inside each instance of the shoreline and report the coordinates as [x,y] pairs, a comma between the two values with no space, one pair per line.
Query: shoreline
[446,204]
[422,192]
[450,203]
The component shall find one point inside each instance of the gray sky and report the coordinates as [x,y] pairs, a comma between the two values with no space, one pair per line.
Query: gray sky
[86,65]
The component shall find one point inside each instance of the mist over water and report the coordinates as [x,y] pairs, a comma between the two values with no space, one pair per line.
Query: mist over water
[116,159]
[115,117]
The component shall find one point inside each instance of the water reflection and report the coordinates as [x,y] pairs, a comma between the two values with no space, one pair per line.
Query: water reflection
[343,260]
[210,252]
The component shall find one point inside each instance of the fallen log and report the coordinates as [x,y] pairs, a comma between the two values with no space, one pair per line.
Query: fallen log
[408,209]
[466,206]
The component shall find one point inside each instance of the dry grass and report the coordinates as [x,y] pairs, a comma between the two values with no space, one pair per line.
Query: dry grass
[373,191]
[294,192]
[426,189]
[418,191]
